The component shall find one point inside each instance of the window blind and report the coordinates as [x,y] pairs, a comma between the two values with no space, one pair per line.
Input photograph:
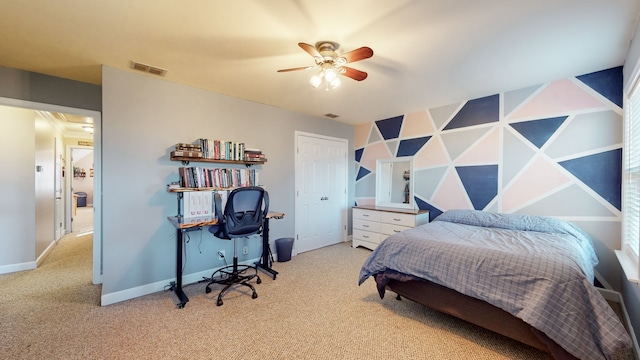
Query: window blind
[631,176]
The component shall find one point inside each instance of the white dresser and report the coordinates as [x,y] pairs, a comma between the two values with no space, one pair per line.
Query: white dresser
[371,225]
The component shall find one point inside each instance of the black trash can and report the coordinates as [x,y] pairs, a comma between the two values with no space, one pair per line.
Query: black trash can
[82,198]
[284,246]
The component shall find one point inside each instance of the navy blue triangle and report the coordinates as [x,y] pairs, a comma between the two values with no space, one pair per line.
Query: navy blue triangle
[478,111]
[601,172]
[434,212]
[390,128]
[362,172]
[607,83]
[359,153]
[539,131]
[480,182]
[410,147]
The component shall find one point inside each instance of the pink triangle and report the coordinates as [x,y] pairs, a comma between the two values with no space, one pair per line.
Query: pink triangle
[432,154]
[373,153]
[361,135]
[557,98]
[539,178]
[486,151]
[416,124]
[451,194]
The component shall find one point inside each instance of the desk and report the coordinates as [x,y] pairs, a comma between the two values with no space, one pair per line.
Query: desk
[265,260]
[184,225]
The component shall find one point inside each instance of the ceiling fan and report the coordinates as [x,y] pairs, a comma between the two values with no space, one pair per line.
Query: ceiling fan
[331,64]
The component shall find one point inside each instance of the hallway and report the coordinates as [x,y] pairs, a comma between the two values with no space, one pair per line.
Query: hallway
[83,221]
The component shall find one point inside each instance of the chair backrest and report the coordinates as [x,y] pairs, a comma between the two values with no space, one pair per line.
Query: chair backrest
[243,213]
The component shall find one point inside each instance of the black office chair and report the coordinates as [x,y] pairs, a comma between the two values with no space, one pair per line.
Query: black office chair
[243,216]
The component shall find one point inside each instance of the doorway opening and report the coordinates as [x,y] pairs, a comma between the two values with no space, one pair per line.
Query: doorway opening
[28,245]
[81,178]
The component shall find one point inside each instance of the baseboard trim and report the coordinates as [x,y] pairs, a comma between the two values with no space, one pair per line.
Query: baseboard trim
[30,265]
[138,291]
[46,253]
[7,269]
[615,296]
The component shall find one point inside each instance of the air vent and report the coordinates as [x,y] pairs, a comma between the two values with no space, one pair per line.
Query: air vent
[153,70]
[329,115]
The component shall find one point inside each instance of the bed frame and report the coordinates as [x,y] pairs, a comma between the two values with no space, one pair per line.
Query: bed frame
[477,312]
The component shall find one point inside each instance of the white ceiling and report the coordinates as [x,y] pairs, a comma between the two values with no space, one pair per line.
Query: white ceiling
[426,52]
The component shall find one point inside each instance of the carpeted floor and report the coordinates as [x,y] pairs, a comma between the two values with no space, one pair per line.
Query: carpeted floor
[313,310]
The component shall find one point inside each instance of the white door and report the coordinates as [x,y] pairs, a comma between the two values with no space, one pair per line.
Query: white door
[321,191]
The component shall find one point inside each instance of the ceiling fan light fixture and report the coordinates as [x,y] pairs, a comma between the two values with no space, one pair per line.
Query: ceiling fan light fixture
[330,74]
[316,80]
[335,83]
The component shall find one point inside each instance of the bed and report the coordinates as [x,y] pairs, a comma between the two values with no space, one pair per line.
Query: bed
[526,277]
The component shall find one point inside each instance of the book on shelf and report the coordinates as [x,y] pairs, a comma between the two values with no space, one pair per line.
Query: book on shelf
[251,154]
[198,204]
[200,178]
[188,147]
[221,149]
[184,153]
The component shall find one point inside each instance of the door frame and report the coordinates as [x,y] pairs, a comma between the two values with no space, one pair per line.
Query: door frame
[344,216]
[96,277]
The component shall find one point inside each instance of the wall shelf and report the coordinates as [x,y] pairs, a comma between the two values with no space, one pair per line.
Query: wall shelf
[187,160]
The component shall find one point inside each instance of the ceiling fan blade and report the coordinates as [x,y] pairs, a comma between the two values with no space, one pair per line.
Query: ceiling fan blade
[357,54]
[353,73]
[296,69]
[311,50]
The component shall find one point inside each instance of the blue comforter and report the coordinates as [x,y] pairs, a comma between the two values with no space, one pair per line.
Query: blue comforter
[539,269]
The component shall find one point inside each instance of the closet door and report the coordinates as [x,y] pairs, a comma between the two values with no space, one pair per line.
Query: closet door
[321,191]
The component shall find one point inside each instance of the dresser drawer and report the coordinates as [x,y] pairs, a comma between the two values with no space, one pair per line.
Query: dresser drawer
[390,229]
[366,225]
[367,236]
[370,215]
[398,219]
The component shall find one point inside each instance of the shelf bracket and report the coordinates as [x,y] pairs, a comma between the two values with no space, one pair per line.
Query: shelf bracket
[184,162]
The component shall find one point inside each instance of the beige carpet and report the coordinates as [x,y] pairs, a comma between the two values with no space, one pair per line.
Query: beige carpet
[313,310]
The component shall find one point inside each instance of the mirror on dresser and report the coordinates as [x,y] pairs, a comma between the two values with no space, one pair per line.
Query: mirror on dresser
[394,187]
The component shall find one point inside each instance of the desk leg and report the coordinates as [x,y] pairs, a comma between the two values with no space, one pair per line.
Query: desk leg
[178,285]
[263,264]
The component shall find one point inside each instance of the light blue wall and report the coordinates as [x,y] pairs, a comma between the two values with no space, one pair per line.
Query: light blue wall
[143,118]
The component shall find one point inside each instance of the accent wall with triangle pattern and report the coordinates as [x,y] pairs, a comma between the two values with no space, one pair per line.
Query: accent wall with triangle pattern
[553,149]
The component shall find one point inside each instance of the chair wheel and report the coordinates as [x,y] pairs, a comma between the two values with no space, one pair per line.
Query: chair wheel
[207,290]
[255,295]
[258,281]
[219,302]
